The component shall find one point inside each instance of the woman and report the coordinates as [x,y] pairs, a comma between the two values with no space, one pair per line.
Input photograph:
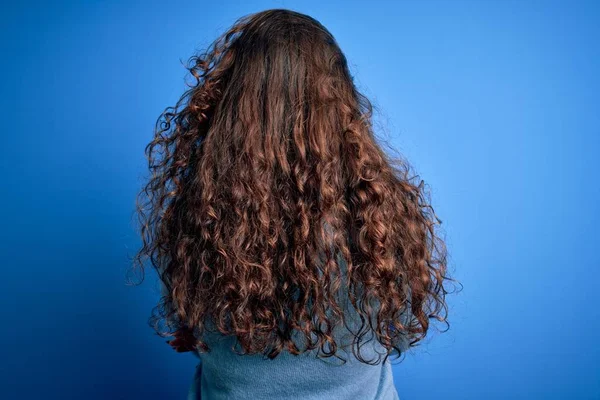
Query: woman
[295,256]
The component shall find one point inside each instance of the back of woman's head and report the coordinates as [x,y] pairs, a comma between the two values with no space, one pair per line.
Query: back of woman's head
[266,180]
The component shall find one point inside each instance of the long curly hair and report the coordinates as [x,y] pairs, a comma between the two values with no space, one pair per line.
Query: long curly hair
[268,187]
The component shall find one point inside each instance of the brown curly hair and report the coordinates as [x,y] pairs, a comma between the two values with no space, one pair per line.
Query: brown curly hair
[268,187]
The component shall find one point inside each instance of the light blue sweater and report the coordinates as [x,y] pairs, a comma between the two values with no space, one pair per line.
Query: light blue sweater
[223,374]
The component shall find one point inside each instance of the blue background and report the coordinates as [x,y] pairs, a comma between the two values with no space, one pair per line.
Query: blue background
[495,103]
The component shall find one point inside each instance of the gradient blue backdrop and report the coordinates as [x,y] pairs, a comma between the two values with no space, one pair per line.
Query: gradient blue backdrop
[495,103]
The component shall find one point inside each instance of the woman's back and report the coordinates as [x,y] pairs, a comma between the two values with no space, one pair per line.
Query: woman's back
[223,374]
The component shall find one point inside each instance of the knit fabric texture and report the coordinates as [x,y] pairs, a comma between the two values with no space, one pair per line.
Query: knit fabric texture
[221,374]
